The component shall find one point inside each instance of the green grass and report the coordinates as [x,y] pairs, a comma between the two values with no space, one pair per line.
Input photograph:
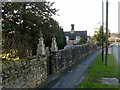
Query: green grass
[98,71]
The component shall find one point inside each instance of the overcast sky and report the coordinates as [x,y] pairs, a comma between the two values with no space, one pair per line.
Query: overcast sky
[85,14]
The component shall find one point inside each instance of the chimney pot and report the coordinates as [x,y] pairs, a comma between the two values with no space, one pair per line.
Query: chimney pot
[72,26]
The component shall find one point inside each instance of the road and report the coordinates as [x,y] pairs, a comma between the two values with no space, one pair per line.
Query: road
[74,76]
[116,53]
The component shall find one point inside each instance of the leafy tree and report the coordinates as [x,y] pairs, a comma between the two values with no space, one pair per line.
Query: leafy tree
[82,41]
[22,23]
[98,36]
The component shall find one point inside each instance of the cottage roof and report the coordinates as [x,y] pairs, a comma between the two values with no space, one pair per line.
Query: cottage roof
[72,36]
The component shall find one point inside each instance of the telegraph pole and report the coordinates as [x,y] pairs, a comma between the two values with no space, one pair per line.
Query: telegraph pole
[102,30]
[106,58]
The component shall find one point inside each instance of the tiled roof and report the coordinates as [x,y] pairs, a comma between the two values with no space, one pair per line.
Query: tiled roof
[82,34]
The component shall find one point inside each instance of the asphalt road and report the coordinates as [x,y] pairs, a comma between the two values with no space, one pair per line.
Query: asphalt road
[74,76]
[116,53]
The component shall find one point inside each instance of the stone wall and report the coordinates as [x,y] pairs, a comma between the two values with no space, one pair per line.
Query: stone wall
[24,73]
[67,57]
[31,73]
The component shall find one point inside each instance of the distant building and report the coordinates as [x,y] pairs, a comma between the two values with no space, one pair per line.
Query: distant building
[73,37]
[114,37]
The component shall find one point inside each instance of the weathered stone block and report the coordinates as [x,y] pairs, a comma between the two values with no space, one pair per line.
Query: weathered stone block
[19,74]
[68,57]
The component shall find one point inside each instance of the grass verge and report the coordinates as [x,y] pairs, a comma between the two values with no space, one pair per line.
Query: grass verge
[97,71]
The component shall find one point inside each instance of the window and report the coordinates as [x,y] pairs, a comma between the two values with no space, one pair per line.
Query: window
[67,38]
[78,38]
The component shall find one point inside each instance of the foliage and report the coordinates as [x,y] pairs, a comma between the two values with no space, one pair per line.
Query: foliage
[21,26]
[97,37]
[82,41]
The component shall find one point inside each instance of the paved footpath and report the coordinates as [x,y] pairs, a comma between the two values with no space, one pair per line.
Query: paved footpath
[73,77]
[116,52]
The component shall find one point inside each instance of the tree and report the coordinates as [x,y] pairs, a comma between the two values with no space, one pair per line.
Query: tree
[98,36]
[22,23]
[82,41]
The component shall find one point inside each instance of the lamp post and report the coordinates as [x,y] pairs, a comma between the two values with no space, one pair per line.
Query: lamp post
[106,57]
[102,30]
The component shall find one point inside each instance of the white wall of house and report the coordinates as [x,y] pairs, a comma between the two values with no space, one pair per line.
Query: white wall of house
[67,38]
[78,38]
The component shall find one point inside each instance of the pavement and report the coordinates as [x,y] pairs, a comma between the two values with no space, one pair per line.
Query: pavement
[111,81]
[115,51]
[72,77]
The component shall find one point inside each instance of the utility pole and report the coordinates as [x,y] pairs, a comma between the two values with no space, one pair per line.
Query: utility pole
[102,30]
[106,58]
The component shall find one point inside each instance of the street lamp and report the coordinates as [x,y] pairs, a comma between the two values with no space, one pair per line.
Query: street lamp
[106,58]
[102,30]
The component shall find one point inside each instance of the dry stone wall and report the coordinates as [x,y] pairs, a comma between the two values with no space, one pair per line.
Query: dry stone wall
[65,58]
[24,73]
[32,73]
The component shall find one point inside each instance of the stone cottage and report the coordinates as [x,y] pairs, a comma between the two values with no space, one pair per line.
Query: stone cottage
[73,37]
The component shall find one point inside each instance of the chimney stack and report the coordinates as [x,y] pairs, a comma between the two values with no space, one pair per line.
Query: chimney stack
[72,27]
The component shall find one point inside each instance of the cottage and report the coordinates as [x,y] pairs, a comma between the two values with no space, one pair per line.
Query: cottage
[73,37]
[115,37]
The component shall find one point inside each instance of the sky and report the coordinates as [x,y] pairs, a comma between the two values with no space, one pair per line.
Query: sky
[86,14]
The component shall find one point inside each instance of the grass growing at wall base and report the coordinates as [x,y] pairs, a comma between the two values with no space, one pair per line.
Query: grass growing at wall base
[98,71]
